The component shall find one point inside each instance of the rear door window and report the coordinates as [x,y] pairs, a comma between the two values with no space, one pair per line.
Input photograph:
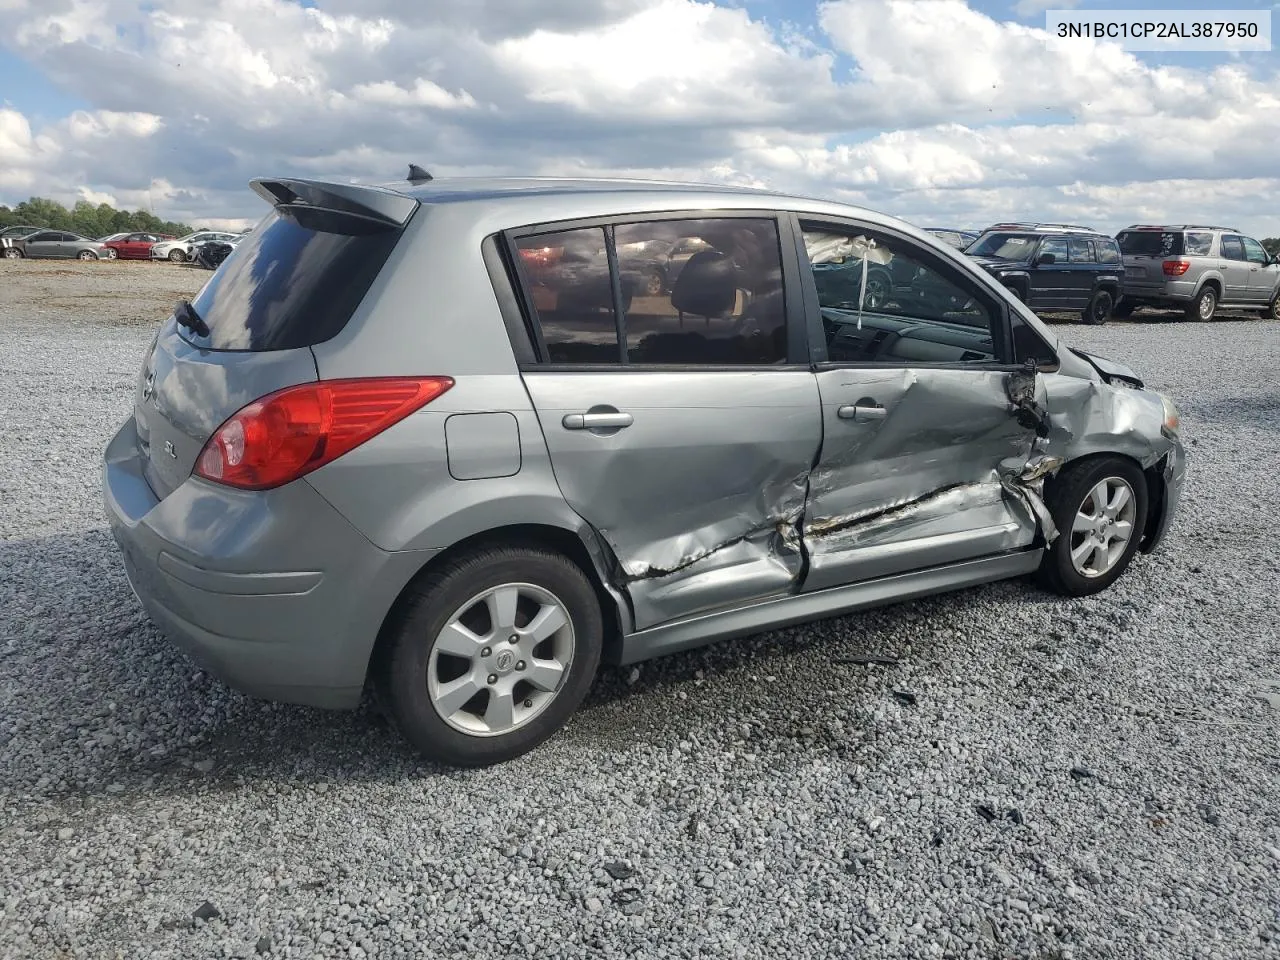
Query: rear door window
[1081,250]
[701,292]
[716,299]
[1057,246]
[294,282]
[1232,247]
[569,288]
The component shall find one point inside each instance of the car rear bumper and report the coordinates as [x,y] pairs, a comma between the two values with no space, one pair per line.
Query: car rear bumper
[1171,292]
[273,592]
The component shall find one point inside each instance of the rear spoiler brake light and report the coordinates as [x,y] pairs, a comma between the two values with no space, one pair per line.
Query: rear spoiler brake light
[368,203]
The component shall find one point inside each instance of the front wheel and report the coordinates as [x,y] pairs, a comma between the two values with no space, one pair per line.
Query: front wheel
[112,253]
[1100,509]
[86,255]
[1273,312]
[177,256]
[1204,306]
[491,654]
[1098,310]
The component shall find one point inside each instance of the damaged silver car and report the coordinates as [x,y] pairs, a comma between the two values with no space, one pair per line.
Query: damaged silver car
[450,437]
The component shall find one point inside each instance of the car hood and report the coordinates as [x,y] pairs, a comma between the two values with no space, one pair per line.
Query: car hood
[1110,370]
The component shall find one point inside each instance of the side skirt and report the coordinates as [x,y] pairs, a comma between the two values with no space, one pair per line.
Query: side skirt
[778,612]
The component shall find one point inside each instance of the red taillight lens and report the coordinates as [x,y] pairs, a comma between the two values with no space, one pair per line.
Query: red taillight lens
[291,432]
[1175,268]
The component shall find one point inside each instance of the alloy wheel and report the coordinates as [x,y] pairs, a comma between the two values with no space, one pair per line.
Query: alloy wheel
[1103,527]
[877,293]
[1208,302]
[500,660]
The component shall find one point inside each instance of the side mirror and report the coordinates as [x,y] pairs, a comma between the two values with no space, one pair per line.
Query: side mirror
[1047,258]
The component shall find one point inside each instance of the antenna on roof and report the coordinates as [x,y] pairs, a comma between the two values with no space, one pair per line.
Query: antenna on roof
[418,175]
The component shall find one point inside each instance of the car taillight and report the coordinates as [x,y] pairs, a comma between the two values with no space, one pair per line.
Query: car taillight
[1175,268]
[284,435]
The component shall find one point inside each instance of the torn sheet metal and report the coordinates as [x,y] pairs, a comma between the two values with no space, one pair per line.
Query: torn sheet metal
[1024,482]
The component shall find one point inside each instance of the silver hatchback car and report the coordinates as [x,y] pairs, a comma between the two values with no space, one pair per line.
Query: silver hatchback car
[448,437]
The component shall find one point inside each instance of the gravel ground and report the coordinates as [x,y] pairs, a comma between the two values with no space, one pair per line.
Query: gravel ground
[1035,778]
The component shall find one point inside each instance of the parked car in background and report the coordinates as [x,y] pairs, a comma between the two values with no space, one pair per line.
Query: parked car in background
[956,238]
[210,253]
[135,246]
[1197,269]
[17,232]
[183,249]
[1054,266]
[55,244]
[472,505]
[113,236]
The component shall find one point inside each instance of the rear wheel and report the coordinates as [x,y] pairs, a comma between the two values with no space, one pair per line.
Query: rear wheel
[490,655]
[12,253]
[1100,509]
[1098,310]
[1204,306]
[177,256]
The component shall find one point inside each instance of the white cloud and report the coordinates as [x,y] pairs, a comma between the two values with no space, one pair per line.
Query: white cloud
[931,109]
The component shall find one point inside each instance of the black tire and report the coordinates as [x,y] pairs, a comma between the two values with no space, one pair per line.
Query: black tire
[879,290]
[401,671]
[1204,306]
[1065,495]
[177,256]
[1123,309]
[1273,312]
[1098,310]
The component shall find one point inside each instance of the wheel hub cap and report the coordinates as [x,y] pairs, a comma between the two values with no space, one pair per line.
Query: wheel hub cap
[500,660]
[1103,527]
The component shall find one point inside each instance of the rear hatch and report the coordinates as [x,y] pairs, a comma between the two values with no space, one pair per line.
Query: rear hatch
[1144,252]
[293,282]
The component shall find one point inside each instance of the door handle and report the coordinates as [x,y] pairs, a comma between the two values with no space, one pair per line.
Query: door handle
[596,421]
[861,413]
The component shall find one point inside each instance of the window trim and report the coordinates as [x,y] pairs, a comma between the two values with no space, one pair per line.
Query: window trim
[794,314]
[1001,332]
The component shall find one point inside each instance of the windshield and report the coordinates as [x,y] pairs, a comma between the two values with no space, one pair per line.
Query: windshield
[1005,246]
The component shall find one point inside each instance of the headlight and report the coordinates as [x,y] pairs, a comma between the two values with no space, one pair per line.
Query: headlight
[1171,419]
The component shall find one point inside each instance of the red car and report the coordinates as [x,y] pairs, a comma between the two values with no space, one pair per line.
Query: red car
[134,246]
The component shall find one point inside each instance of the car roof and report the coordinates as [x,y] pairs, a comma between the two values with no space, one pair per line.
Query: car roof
[563,198]
[1173,227]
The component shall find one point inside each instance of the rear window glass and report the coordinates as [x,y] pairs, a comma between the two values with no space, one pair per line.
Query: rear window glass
[1150,243]
[1108,252]
[287,285]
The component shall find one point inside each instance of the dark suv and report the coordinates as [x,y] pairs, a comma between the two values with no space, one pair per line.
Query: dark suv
[1054,266]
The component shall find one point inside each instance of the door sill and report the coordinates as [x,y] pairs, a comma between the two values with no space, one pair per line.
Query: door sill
[764,615]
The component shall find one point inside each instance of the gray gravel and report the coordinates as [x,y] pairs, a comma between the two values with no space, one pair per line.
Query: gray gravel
[1036,778]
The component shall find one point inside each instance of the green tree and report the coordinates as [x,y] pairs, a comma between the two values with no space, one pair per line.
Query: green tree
[85,218]
[1272,244]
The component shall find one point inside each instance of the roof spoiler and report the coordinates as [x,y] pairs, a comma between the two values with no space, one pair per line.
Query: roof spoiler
[364,202]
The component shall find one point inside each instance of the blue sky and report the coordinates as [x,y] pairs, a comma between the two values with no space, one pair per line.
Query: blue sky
[937,110]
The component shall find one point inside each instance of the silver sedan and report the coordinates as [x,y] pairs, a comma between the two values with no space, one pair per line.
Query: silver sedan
[55,244]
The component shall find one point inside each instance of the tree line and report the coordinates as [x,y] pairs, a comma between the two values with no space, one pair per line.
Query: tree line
[86,219]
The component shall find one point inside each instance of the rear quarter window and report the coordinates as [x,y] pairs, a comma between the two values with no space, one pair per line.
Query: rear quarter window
[293,282]
[1150,243]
